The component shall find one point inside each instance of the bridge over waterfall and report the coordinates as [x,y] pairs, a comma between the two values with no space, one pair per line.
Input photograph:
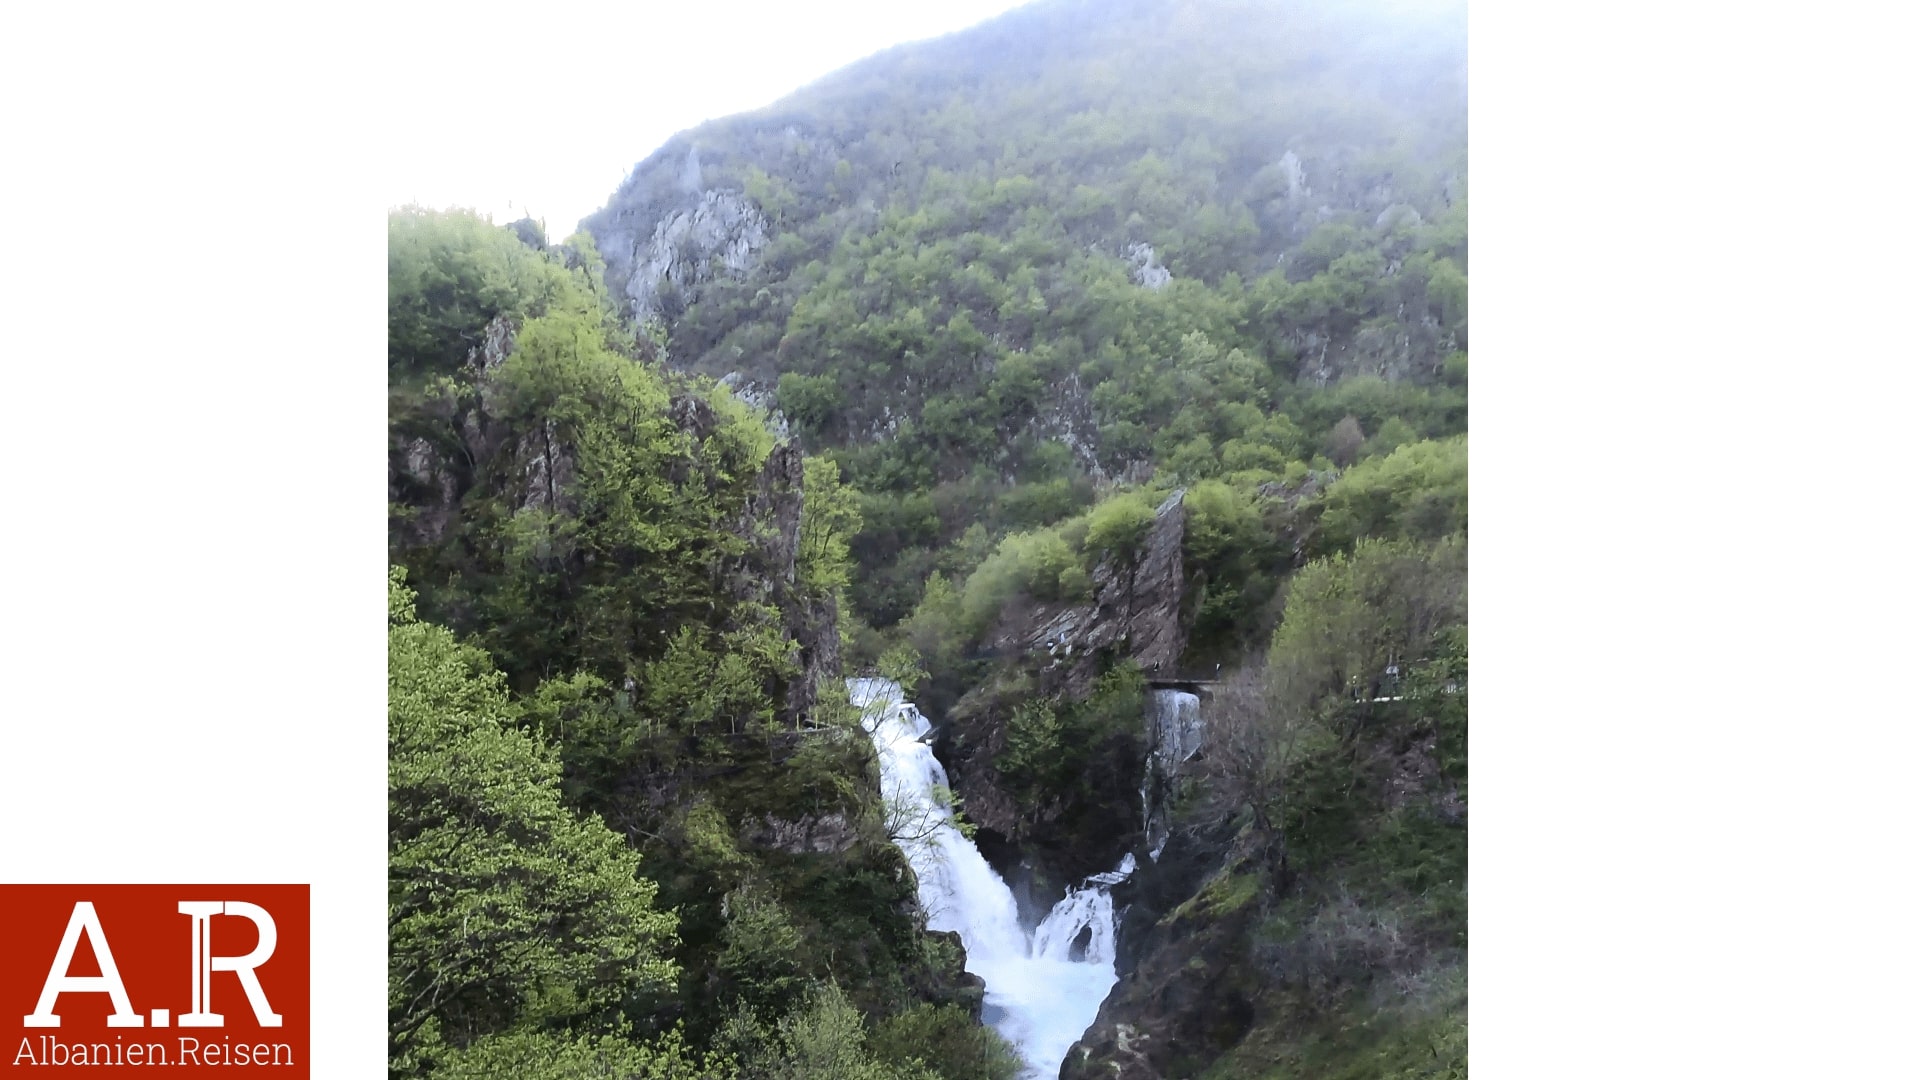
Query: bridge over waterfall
[1197,683]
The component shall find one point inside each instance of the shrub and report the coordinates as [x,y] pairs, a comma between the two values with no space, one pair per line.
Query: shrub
[945,1037]
[1118,527]
[1417,492]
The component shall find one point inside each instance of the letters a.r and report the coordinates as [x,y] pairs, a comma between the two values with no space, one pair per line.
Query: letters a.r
[83,920]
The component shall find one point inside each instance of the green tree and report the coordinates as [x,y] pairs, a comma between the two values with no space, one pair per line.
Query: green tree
[1352,615]
[1034,754]
[812,401]
[546,1055]
[829,520]
[945,1037]
[505,910]
[761,955]
[1417,491]
[827,1040]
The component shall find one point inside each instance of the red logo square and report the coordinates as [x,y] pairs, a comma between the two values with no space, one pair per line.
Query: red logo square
[201,979]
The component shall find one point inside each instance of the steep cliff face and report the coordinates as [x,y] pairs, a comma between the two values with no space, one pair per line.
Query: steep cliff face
[1185,991]
[426,477]
[1135,614]
[1058,652]
[1345,958]
[662,242]
[772,517]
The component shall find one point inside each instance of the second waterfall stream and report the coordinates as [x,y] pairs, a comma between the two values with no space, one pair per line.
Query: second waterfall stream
[1039,995]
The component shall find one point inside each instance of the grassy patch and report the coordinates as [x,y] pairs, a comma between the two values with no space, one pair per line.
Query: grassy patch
[1418,1036]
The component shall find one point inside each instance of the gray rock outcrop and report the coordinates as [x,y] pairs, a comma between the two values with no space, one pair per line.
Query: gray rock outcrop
[771,519]
[1145,264]
[813,834]
[1135,611]
[1060,650]
[680,247]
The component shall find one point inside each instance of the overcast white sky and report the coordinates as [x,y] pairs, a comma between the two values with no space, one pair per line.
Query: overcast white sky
[600,86]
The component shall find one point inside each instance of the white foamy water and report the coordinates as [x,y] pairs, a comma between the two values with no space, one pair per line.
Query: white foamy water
[1175,735]
[1044,988]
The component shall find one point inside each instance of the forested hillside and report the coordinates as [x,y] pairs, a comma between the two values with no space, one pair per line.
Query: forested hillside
[1099,354]
[1084,242]
[645,585]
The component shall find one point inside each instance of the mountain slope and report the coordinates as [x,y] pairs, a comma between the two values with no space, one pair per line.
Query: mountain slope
[626,590]
[1081,244]
[1028,283]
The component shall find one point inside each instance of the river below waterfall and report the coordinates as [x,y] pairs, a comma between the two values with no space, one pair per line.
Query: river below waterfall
[1045,984]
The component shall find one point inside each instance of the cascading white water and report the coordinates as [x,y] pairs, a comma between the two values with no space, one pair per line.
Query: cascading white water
[1089,908]
[1175,737]
[1038,994]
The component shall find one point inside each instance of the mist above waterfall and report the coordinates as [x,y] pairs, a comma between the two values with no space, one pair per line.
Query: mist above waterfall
[1045,985]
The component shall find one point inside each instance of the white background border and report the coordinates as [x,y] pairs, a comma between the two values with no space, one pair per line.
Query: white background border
[1694,727]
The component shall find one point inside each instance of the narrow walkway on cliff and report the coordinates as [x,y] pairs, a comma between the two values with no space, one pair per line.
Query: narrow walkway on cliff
[1191,683]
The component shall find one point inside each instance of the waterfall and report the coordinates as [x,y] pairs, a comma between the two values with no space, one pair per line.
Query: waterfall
[1174,737]
[1044,988]
[1088,908]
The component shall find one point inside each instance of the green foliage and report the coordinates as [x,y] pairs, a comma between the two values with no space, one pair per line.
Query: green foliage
[598,525]
[449,275]
[830,518]
[576,474]
[505,909]
[1447,292]
[1058,756]
[1117,528]
[828,1042]
[1393,434]
[812,401]
[946,1038]
[901,664]
[1387,1037]
[823,1039]
[704,686]
[597,729]
[1034,750]
[1039,566]
[761,960]
[545,1055]
[1419,491]
[1220,519]
[1231,552]
[708,841]
[1222,895]
[1349,616]
[934,629]
[983,315]
[1115,707]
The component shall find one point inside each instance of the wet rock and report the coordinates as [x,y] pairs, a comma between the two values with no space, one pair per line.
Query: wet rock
[1188,996]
